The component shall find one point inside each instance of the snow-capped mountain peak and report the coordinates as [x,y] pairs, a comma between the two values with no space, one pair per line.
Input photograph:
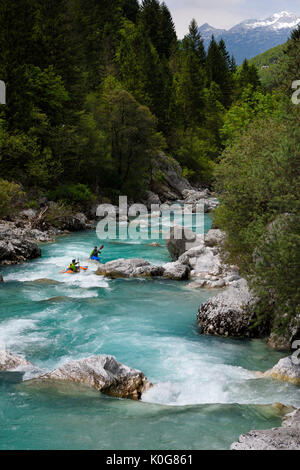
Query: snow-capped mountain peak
[281,20]
[252,37]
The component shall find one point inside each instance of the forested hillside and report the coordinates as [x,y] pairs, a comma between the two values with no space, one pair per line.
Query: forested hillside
[96,89]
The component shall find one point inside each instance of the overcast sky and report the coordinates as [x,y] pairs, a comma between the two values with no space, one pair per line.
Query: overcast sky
[225,13]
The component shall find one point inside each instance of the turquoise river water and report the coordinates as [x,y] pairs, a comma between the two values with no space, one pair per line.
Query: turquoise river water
[205,392]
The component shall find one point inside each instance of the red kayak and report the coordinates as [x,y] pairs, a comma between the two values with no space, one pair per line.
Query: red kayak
[69,271]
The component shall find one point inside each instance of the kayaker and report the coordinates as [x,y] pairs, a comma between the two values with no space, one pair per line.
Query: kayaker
[95,253]
[73,266]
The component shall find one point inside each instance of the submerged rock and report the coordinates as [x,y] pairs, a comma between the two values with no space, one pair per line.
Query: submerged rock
[105,374]
[228,313]
[286,369]
[9,361]
[286,437]
[47,282]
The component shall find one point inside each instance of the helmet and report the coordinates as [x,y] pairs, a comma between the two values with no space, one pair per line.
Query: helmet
[73,260]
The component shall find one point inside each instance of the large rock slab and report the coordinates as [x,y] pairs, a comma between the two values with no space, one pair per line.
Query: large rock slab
[286,369]
[9,361]
[175,183]
[105,374]
[228,313]
[287,437]
[129,268]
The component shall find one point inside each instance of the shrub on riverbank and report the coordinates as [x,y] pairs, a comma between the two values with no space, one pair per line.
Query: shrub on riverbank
[10,196]
[258,180]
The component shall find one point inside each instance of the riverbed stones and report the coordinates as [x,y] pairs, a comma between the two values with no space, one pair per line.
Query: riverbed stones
[105,374]
[286,437]
[287,369]
[228,313]
[9,361]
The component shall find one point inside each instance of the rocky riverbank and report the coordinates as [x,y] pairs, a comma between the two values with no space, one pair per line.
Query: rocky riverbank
[20,239]
[286,437]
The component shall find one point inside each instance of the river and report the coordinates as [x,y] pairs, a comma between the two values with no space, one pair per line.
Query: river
[205,392]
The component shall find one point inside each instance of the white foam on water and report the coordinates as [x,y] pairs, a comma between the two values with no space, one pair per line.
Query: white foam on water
[17,334]
[80,293]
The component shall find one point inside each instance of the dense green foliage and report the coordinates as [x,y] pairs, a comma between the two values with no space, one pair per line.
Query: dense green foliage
[96,89]
[268,66]
[10,196]
[258,182]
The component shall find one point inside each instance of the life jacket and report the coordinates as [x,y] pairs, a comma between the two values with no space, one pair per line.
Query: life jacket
[72,267]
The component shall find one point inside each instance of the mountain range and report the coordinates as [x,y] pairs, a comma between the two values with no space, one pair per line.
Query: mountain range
[252,37]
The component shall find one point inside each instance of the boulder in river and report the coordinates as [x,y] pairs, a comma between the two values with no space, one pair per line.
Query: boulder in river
[176,271]
[287,369]
[9,361]
[105,374]
[228,313]
[129,268]
[181,240]
[286,437]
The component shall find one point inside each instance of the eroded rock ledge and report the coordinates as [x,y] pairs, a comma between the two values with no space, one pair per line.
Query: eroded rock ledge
[286,437]
[228,313]
[104,373]
[9,361]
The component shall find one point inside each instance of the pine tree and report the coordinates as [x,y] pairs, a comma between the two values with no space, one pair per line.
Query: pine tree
[130,9]
[233,66]
[225,53]
[218,70]
[193,43]
[168,32]
[157,23]
[191,79]
[248,76]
